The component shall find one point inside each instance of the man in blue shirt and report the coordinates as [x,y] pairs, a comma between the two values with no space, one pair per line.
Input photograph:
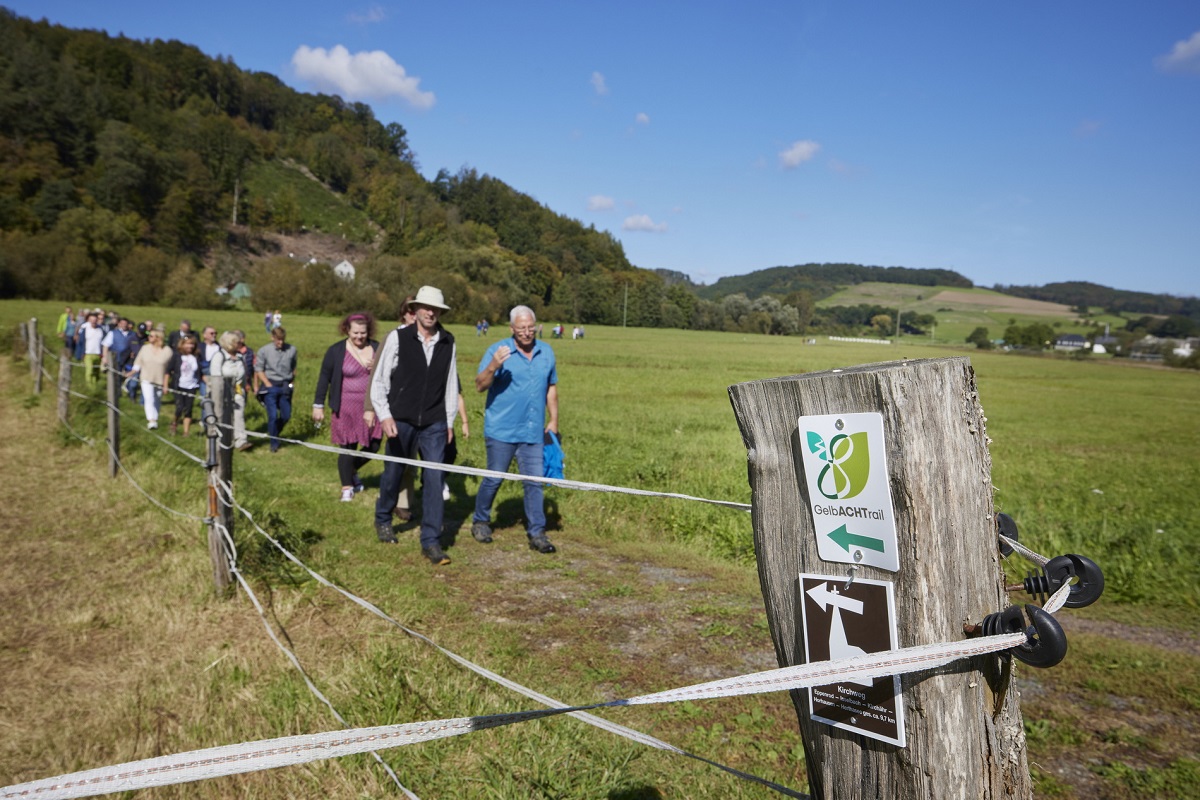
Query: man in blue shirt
[119,341]
[521,380]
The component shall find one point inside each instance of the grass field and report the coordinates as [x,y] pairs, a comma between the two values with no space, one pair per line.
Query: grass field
[1095,458]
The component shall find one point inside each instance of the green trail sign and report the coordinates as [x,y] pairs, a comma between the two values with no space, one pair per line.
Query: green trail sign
[844,462]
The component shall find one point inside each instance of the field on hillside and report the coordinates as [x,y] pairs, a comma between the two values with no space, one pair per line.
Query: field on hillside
[1095,458]
[960,311]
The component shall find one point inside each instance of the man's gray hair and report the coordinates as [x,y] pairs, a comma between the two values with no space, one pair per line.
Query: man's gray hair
[521,311]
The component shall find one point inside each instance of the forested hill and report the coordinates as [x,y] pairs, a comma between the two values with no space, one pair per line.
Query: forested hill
[1082,293]
[137,171]
[822,280]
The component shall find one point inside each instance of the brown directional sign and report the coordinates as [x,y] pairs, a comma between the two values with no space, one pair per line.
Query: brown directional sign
[842,621]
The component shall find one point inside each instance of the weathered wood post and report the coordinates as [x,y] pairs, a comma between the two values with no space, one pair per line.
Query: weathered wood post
[64,386]
[38,359]
[219,405]
[963,723]
[113,385]
[31,345]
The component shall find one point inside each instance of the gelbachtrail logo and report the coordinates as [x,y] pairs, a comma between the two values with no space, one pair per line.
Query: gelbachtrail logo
[847,464]
[845,484]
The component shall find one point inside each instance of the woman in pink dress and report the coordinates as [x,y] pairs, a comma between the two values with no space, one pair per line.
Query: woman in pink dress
[346,377]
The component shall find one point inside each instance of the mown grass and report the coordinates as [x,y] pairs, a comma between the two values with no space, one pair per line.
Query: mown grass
[640,408]
[1097,458]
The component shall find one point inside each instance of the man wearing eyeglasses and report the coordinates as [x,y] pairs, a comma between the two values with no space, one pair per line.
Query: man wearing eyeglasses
[521,380]
[414,393]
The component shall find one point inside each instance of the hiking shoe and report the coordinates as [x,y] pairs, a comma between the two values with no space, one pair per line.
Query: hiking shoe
[385,533]
[482,532]
[358,485]
[347,495]
[542,544]
[436,555]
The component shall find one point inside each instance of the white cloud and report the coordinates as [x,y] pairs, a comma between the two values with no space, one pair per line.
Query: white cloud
[1184,56]
[371,74]
[642,222]
[598,83]
[371,16]
[599,202]
[798,153]
[643,118]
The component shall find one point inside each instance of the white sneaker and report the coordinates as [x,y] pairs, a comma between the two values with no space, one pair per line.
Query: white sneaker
[151,426]
[347,495]
[445,493]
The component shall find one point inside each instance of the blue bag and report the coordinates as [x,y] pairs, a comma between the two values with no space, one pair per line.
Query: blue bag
[553,457]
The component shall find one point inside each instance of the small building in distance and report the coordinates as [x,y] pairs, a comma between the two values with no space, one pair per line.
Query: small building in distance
[344,270]
[1070,341]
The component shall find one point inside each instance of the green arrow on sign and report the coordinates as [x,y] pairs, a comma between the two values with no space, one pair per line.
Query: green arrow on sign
[845,539]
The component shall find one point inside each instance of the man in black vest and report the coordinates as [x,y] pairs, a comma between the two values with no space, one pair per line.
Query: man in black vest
[414,392]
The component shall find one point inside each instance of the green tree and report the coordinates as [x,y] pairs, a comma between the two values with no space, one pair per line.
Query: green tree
[979,338]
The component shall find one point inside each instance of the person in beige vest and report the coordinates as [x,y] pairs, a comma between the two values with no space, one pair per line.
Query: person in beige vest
[151,367]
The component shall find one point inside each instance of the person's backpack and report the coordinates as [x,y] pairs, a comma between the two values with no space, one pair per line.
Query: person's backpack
[553,458]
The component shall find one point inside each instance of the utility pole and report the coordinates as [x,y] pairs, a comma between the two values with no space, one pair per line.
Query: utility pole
[625,311]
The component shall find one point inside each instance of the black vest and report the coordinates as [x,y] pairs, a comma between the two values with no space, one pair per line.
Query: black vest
[418,390]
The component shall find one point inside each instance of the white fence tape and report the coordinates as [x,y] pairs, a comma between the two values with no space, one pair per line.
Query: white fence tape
[271,753]
[591,719]
[487,473]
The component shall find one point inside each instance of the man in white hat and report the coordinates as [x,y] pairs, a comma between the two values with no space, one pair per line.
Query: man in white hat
[414,393]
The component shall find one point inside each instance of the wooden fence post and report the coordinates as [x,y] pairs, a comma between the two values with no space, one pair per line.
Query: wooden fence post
[64,386]
[38,359]
[219,405]
[31,345]
[963,722]
[113,386]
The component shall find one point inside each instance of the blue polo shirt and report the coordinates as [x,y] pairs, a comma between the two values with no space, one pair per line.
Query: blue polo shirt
[516,400]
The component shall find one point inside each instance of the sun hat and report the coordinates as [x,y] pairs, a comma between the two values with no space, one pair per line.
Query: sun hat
[429,296]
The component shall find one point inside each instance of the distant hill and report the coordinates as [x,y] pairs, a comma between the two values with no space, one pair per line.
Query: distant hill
[822,280]
[1116,301]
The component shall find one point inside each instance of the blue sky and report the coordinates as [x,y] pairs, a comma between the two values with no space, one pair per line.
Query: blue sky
[1017,143]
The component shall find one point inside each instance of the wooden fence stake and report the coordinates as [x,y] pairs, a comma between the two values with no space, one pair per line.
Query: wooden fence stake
[113,386]
[31,345]
[963,722]
[219,404]
[38,359]
[64,387]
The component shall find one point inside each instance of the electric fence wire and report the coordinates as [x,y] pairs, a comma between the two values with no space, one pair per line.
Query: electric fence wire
[104,402]
[487,473]
[271,753]
[291,656]
[922,657]
[599,722]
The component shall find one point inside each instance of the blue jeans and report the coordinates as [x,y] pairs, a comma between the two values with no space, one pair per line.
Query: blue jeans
[431,442]
[278,401]
[529,462]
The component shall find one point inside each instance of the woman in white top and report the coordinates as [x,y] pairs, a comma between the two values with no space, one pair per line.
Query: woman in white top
[185,377]
[151,368]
